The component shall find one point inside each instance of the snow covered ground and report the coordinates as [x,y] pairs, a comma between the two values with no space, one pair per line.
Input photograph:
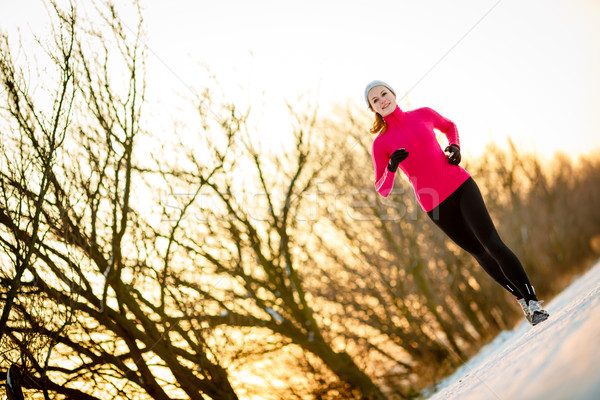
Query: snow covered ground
[558,359]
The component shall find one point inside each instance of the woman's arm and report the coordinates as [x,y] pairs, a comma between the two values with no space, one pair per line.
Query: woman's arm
[384,178]
[445,126]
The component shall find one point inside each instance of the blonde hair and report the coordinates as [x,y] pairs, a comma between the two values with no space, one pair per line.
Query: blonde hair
[379,125]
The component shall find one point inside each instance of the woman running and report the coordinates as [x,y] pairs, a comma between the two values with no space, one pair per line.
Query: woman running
[446,191]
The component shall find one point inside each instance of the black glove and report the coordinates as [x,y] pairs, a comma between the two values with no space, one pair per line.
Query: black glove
[454,157]
[396,158]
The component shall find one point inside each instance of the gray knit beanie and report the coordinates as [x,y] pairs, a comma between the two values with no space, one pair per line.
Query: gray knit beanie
[372,85]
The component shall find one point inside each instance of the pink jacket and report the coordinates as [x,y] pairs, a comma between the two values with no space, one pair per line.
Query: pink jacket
[433,178]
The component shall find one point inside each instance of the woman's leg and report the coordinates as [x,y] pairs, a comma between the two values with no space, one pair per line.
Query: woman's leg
[448,217]
[479,221]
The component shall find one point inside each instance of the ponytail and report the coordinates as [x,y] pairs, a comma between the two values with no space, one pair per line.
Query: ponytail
[379,125]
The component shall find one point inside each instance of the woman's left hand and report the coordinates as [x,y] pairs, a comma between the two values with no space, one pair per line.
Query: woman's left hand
[454,157]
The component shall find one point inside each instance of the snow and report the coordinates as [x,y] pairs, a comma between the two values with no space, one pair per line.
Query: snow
[555,360]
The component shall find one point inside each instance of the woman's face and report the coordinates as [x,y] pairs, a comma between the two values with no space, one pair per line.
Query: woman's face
[382,100]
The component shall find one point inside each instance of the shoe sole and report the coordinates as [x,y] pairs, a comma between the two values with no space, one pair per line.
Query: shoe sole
[539,317]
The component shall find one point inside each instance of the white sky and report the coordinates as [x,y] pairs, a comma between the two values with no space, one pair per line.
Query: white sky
[528,69]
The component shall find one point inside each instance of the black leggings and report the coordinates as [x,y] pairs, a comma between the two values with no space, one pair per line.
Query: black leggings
[465,219]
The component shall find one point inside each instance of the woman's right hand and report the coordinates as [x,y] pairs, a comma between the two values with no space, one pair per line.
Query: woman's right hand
[396,158]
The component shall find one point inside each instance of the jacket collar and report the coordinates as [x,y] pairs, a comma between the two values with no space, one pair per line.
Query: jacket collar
[395,116]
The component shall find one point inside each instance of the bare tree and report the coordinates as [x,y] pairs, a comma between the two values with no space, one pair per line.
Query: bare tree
[95,257]
[31,148]
[38,139]
[258,247]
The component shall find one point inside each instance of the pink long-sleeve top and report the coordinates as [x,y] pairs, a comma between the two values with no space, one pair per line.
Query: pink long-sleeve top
[433,178]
